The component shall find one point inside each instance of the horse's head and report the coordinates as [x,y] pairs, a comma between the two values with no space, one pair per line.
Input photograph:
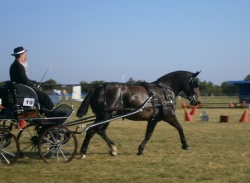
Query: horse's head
[191,89]
[182,82]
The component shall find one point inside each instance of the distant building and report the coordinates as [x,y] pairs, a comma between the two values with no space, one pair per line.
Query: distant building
[244,90]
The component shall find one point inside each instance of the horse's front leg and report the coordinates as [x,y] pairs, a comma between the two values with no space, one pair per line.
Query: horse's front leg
[175,123]
[111,144]
[150,128]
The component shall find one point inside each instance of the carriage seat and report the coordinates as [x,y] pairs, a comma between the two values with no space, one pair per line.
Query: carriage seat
[23,95]
[26,96]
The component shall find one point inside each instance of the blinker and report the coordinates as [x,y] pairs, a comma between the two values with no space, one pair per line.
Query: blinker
[195,83]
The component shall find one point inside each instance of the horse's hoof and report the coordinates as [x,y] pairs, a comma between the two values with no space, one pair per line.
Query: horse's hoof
[113,151]
[185,147]
[139,154]
[83,156]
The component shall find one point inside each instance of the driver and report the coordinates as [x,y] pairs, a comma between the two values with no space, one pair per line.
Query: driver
[18,74]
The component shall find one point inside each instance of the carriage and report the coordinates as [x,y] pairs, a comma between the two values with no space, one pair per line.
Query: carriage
[20,111]
[51,137]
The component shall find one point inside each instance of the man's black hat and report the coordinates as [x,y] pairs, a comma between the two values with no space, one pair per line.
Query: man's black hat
[19,50]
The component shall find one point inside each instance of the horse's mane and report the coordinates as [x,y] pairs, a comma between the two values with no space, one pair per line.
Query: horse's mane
[172,75]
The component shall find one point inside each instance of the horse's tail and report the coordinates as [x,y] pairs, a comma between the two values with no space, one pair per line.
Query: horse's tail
[83,109]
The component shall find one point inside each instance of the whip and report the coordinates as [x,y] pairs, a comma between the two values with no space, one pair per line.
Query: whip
[45,73]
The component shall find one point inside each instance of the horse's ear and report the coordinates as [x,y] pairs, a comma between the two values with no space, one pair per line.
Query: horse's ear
[196,74]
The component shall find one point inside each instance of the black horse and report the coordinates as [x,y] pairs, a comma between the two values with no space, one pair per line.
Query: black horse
[114,99]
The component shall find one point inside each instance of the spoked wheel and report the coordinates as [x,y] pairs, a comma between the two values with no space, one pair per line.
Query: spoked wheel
[9,147]
[57,145]
[28,140]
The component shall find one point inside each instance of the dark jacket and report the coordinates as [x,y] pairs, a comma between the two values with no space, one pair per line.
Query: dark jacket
[18,74]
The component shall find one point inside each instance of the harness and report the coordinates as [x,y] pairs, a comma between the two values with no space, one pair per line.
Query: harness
[151,93]
[168,93]
[166,90]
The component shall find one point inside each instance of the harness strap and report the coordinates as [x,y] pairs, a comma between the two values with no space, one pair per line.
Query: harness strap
[151,93]
[147,86]
[168,93]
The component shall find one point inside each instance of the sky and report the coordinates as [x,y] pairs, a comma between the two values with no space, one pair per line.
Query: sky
[114,40]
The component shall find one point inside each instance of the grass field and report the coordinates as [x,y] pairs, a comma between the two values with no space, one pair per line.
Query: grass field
[220,152]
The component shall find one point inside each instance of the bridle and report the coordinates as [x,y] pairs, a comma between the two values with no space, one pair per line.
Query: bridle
[194,84]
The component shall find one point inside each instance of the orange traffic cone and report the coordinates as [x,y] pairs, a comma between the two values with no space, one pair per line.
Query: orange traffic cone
[244,117]
[22,123]
[188,117]
[194,111]
[183,105]
[231,104]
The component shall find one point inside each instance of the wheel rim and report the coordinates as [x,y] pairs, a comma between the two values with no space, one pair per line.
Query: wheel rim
[9,148]
[57,145]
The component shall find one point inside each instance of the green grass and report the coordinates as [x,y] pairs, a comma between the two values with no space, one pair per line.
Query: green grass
[220,152]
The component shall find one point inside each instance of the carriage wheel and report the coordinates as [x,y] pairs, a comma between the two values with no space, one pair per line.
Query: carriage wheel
[28,140]
[57,144]
[9,147]
[7,125]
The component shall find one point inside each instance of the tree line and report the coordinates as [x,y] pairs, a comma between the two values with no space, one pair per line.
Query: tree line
[206,87]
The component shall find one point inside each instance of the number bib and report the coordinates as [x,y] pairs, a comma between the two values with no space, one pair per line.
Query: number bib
[29,102]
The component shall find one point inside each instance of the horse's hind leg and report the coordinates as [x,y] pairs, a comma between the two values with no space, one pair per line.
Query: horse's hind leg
[111,144]
[150,128]
[89,134]
[174,122]
[100,130]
